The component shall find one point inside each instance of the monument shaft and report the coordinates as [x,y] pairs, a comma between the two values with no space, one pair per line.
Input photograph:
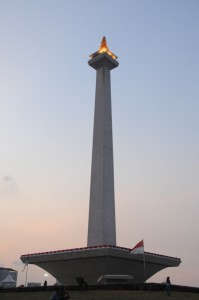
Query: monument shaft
[101,227]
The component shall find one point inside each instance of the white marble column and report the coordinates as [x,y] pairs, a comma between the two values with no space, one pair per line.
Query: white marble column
[101,227]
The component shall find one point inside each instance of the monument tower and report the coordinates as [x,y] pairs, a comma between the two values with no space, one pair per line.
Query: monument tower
[101,259]
[101,227]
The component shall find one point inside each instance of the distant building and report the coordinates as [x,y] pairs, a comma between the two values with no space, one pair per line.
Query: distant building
[8,277]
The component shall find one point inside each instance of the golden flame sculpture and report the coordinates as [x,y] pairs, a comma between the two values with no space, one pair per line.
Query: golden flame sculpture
[103,48]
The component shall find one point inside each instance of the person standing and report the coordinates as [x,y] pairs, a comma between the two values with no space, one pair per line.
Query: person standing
[45,283]
[168,286]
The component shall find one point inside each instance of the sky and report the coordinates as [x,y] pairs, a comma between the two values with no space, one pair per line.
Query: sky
[47,93]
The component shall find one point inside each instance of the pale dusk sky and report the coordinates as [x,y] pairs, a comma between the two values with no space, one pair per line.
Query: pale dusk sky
[46,122]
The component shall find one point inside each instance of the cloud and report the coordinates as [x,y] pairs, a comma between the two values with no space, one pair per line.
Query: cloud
[8,185]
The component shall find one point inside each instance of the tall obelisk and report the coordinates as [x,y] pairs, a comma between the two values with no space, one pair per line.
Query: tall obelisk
[101,226]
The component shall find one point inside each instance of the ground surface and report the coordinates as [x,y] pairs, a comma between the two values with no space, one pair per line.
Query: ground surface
[102,295]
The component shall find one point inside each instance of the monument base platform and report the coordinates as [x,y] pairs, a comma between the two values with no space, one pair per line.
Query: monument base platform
[93,262]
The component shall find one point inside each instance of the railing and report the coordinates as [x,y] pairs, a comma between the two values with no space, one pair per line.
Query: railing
[95,247]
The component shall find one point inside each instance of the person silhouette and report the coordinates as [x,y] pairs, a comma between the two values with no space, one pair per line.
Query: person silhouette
[168,286]
[45,283]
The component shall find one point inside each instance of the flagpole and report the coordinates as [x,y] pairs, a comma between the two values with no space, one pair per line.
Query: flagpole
[26,275]
[144,267]
[139,249]
[144,262]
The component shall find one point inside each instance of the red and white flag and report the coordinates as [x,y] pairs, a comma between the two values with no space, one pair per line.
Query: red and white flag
[138,249]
